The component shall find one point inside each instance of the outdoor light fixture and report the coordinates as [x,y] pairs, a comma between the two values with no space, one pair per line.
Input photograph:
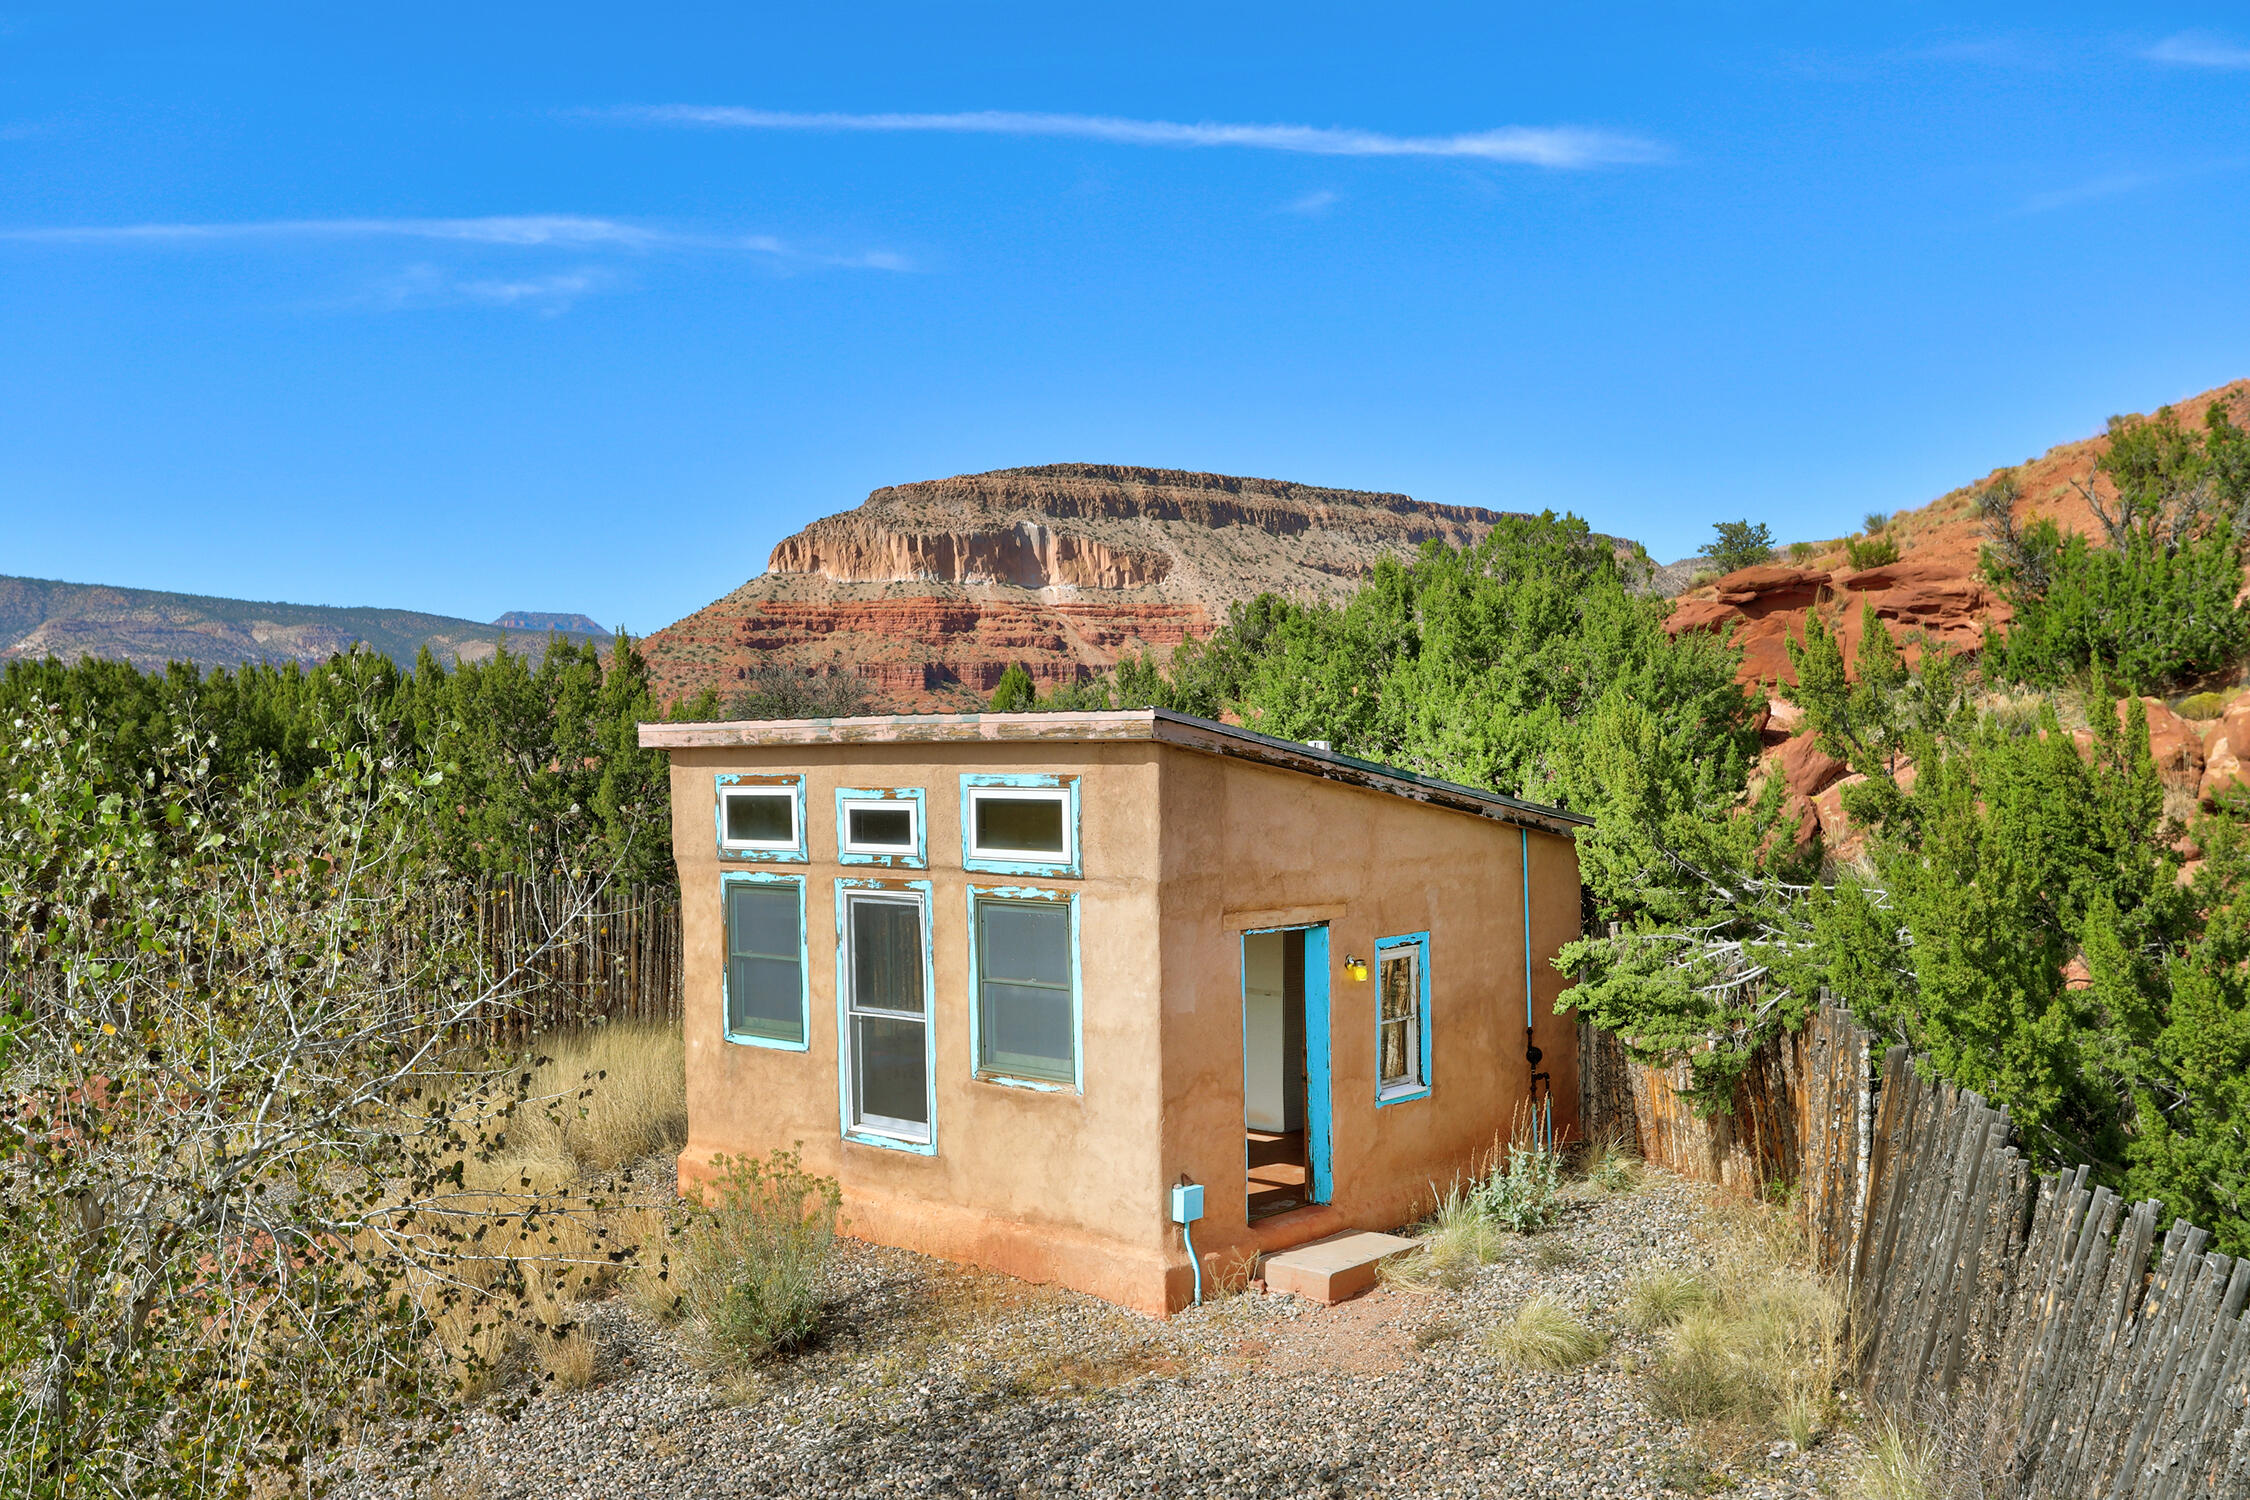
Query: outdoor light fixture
[1356,967]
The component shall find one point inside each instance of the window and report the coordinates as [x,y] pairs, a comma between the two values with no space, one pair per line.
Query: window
[1020,824]
[765,973]
[879,827]
[1026,1012]
[1402,1033]
[761,819]
[886,1023]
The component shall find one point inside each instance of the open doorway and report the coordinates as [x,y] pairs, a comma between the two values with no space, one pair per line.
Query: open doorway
[1275,1074]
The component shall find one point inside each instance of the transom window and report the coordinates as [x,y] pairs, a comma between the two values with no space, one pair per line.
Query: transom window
[1027,1026]
[765,974]
[880,826]
[1029,824]
[1402,1039]
[760,819]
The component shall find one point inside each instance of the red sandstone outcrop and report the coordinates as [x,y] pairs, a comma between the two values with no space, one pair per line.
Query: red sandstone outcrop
[1935,591]
[929,591]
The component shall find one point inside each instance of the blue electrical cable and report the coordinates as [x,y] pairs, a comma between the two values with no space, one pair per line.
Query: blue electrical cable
[1195,1262]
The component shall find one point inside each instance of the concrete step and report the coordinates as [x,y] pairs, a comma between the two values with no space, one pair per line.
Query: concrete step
[1333,1269]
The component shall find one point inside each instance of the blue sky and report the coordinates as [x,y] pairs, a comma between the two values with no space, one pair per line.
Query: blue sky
[473,308]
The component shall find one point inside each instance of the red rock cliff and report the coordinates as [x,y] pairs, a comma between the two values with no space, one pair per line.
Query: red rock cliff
[928,591]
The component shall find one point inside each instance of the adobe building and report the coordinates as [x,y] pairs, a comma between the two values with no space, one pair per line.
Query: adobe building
[1011,977]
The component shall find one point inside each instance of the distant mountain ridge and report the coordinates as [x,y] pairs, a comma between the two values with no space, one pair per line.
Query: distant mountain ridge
[928,591]
[41,617]
[532,619]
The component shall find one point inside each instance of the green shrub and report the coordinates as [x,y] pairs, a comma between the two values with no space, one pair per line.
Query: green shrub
[2157,603]
[1875,522]
[2202,705]
[1543,1335]
[1524,1191]
[751,1267]
[1801,551]
[2138,613]
[1871,551]
[1738,544]
[1015,693]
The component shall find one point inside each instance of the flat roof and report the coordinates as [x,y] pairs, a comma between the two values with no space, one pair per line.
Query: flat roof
[1160,725]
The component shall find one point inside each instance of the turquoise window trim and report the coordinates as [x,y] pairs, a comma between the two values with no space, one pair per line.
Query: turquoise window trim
[976,995]
[1069,867]
[796,785]
[1420,943]
[1320,1105]
[851,1132]
[918,860]
[804,962]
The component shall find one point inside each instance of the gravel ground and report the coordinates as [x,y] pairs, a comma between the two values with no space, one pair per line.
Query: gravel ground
[930,1379]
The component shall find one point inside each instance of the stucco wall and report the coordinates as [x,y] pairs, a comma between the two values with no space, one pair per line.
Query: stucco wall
[1181,852]
[1247,847]
[1048,1185]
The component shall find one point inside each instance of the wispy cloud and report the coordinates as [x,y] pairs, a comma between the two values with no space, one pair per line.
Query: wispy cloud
[2199,49]
[435,286]
[502,231]
[567,230]
[1559,146]
[1312,205]
[2108,185]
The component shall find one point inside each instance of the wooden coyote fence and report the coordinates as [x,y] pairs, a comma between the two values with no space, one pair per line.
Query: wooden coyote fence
[2020,1313]
[567,954]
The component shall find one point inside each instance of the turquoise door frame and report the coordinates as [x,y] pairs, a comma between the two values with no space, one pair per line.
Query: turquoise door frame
[1319,1108]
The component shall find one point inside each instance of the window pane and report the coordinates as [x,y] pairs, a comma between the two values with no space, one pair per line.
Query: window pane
[762,919]
[765,998]
[1398,1060]
[1023,950]
[1026,1027]
[1399,988]
[1025,941]
[892,1080]
[760,817]
[1033,825]
[883,827]
[887,955]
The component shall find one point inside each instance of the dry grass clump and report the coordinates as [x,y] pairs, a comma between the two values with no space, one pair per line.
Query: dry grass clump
[1543,1335]
[1901,1463]
[1458,1238]
[1757,1342]
[1610,1164]
[1659,1299]
[522,1241]
[603,1097]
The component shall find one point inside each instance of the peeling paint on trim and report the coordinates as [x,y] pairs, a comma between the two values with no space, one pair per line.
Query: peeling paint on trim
[918,860]
[794,783]
[1183,730]
[978,1070]
[861,1135]
[804,962]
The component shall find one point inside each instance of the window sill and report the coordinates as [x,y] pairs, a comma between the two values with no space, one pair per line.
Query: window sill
[795,856]
[1402,1096]
[891,1142]
[1019,864]
[1034,1085]
[742,1039]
